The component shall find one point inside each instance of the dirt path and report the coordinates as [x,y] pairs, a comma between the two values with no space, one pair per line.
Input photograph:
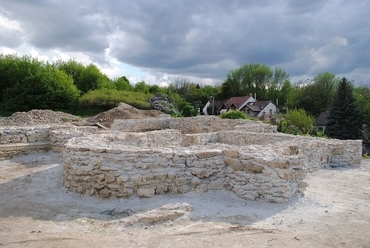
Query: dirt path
[36,211]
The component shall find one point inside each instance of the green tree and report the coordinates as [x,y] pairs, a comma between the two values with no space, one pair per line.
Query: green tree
[92,79]
[316,97]
[254,78]
[14,70]
[122,83]
[72,68]
[362,96]
[141,87]
[48,88]
[345,120]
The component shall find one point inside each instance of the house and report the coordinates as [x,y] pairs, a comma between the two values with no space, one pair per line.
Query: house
[322,121]
[251,107]
[260,109]
[236,103]
[215,104]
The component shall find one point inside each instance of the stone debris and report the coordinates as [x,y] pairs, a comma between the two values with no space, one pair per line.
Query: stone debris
[38,117]
[169,212]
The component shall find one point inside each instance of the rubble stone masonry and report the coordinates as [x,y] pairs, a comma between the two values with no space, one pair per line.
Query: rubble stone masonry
[146,157]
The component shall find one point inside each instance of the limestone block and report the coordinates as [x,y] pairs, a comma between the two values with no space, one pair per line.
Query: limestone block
[234,163]
[208,154]
[301,174]
[201,173]
[302,184]
[123,192]
[181,181]
[231,153]
[122,178]
[337,151]
[113,186]
[108,178]
[251,167]
[147,192]
[201,188]
[216,185]
[286,174]
[194,181]
[183,188]
[281,164]
[160,176]
[136,178]
[99,185]
[161,188]
[105,193]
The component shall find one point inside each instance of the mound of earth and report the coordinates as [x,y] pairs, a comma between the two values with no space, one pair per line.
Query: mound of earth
[124,111]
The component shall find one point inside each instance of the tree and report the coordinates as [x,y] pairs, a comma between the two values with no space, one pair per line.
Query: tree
[362,96]
[317,96]
[92,79]
[71,67]
[15,69]
[345,120]
[122,83]
[48,88]
[142,87]
[254,78]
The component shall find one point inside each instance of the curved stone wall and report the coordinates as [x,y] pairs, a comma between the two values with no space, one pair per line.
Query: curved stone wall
[271,166]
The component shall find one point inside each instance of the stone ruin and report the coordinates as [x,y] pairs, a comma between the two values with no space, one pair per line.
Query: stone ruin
[145,157]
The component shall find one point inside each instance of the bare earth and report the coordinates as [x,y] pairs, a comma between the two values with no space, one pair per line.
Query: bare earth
[37,211]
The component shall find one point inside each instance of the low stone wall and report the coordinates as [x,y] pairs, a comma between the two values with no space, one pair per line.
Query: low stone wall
[58,137]
[271,166]
[188,154]
[15,141]
[198,124]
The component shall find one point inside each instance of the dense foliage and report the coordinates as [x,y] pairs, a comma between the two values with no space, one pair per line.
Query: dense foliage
[297,121]
[27,83]
[234,114]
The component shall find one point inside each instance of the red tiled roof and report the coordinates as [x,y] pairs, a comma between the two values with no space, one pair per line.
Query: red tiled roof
[236,101]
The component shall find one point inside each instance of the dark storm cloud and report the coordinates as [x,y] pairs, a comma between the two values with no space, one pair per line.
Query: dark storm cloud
[202,39]
[67,25]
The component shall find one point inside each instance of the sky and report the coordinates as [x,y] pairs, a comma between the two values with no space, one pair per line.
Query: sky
[161,41]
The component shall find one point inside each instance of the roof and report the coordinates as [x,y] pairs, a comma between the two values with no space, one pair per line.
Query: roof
[257,106]
[237,101]
[322,119]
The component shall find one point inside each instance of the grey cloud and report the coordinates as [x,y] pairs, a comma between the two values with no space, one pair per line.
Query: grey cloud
[204,39]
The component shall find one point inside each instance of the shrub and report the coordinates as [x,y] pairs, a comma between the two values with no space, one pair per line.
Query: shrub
[234,114]
[298,122]
[104,99]
[189,111]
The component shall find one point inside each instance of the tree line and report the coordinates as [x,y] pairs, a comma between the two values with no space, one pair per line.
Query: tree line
[27,83]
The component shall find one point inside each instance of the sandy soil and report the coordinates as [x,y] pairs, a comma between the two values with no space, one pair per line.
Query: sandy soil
[37,211]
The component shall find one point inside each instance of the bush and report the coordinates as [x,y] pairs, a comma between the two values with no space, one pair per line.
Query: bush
[48,88]
[303,122]
[189,111]
[234,114]
[105,99]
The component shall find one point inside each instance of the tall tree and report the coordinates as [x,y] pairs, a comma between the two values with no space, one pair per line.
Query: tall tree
[317,96]
[345,119]
[254,78]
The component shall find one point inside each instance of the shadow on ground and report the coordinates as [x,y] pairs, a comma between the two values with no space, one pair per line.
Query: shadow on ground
[32,186]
